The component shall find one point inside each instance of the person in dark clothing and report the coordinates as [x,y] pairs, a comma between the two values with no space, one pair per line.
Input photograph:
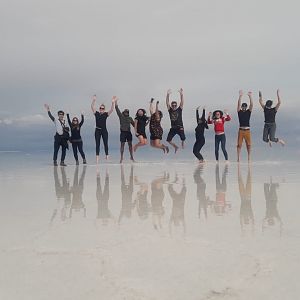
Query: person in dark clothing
[101,129]
[244,115]
[140,122]
[61,136]
[75,138]
[201,191]
[199,133]
[270,124]
[125,132]
[77,191]
[175,113]
[102,199]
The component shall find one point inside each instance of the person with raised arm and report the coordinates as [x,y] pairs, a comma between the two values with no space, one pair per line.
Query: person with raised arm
[199,133]
[140,122]
[61,136]
[125,131]
[101,129]
[270,124]
[175,113]
[244,114]
[75,139]
[218,120]
[156,131]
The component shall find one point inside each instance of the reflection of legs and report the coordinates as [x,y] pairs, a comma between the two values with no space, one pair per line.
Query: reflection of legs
[223,146]
[217,145]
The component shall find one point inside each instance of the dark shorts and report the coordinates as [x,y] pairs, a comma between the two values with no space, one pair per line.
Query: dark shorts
[174,131]
[125,136]
[143,134]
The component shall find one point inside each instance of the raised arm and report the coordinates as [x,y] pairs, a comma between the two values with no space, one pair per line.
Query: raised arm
[117,108]
[69,121]
[168,99]
[251,100]
[151,108]
[278,100]
[82,119]
[93,105]
[181,98]
[209,120]
[261,102]
[157,111]
[203,118]
[227,118]
[47,107]
[113,101]
[239,101]
[197,114]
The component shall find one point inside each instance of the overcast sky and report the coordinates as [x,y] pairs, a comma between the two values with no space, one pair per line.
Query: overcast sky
[62,52]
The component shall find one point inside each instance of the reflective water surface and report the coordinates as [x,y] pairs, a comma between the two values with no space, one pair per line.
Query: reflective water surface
[172,230]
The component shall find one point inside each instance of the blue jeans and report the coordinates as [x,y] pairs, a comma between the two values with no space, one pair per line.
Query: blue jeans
[221,138]
[269,133]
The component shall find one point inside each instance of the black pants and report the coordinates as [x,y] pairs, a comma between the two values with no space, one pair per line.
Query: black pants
[104,134]
[221,138]
[59,141]
[197,148]
[78,146]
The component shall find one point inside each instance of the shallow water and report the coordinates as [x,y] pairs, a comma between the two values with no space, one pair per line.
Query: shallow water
[150,230]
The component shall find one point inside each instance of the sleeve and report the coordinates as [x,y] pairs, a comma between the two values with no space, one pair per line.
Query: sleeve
[69,121]
[50,116]
[197,115]
[82,120]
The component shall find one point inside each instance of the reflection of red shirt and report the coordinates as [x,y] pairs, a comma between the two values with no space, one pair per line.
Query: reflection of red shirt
[219,123]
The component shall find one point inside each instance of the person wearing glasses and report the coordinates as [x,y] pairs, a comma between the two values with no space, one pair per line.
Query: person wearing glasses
[76,139]
[61,136]
[175,113]
[101,130]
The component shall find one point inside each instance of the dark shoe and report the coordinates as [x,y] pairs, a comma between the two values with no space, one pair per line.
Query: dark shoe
[77,163]
[84,161]
[62,164]
[55,163]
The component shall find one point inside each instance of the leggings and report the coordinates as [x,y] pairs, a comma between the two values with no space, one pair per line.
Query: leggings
[59,141]
[221,138]
[75,146]
[197,148]
[104,134]
[269,133]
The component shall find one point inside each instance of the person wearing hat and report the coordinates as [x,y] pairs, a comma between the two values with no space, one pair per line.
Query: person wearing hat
[61,137]
[125,134]
[244,114]
[270,124]
[219,120]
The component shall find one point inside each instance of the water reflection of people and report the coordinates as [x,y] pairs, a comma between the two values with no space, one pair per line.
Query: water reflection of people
[62,191]
[201,191]
[142,205]
[157,197]
[127,194]
[246,212]
[177,214]
[77,191]
[220,205]
[272,214]
[102,196]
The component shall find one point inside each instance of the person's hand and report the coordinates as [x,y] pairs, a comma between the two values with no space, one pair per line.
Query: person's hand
[169,92]
[204,107]
[94,98]
[210,114]
[82,112]
[277,92]
[259,94]
[241,93]
[198,107]
[181,91]
[47,107]
[157,102]
[152,99]
[249,94]
[114,99]
[226,111]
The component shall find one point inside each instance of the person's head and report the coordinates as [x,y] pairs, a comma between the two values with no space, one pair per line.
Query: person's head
[269,103]
[174,105]
[244,106]
[75,121]
[102,108]
[140,112]
[60,114]
[217,114]
[125,112]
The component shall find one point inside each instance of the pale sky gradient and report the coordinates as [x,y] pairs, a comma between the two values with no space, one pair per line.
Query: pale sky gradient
[62,52]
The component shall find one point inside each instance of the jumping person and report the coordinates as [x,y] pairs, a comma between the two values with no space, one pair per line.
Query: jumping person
[140,123]
[175,113]
[75,138]
[270,124]
[125,132]
[244,133]
[199,133]
[218,120]
[61,137]
[156,131]
[101,130]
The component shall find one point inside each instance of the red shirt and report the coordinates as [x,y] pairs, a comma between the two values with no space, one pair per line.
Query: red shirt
[219,123]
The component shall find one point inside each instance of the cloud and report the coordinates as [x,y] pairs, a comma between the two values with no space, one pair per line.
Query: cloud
[28,120]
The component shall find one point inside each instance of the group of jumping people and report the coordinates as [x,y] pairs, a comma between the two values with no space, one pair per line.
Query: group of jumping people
[66,135]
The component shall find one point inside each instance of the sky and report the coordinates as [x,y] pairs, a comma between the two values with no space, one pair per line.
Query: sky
[63,52]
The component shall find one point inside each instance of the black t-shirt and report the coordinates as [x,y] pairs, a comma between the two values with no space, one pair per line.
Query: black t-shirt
[244,117]
[141,123]
[176,117]
[101,120]
[270,114]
